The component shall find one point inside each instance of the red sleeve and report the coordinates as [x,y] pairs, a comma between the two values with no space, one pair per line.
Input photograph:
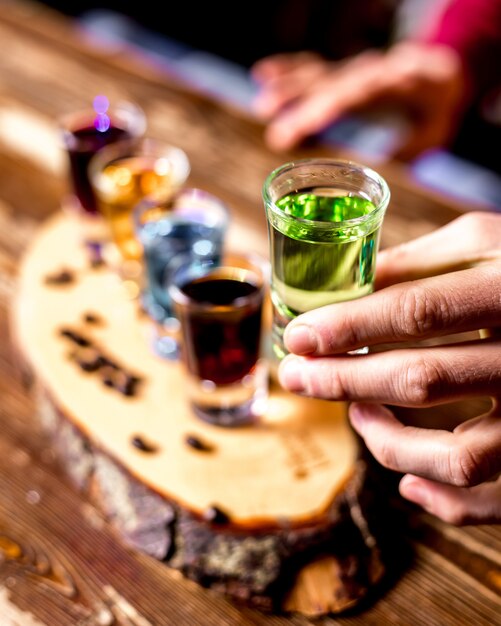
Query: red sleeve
[473,29]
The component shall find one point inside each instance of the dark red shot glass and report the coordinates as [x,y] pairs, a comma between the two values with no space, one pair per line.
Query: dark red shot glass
[85,132]
[220,308]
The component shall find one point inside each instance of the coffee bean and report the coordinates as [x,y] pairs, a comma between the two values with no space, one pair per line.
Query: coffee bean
[129,389]
[92,318]
[126,383]
[77,338]
[141,444]
[64,277]
[198,444]
[107,375]
[91,359]
[215,515]
[88,359]
[109,362]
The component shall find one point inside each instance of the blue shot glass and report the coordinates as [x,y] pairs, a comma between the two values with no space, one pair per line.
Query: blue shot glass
[191,227]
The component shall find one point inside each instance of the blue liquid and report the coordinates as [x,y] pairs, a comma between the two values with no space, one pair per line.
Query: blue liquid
[167,243]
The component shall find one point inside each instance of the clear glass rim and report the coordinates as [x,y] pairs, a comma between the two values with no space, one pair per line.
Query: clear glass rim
[131,112]
[252,264]
[149,203]
[319,161]
[137,147]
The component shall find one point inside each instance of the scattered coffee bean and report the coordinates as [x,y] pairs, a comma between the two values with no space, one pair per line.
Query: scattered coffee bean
[301,473]
[73,354]
[92,318]
[126,383]
[64,277]
[141,444]
[198,444]
[107,375]
[91,359]
[119,378]
[109,362]
[129,388]
[215,515]
[77,338]
[88,359]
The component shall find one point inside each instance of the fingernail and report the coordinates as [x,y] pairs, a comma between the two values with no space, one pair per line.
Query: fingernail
[413,490]
[289,374]
[300,339]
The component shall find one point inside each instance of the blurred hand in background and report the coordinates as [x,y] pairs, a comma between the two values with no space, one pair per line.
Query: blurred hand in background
[432,78]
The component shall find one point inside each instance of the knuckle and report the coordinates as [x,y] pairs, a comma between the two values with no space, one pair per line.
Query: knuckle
[420,312]
[464,466]
[326,382]
[490,277]
[386,455]
[477,228]
[455,515]
[477,225]
[424,382]
[346,333]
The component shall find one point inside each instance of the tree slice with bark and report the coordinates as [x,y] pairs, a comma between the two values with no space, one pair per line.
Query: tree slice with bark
[279,515]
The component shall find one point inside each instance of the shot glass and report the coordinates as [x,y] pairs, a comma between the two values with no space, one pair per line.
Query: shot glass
[220,310]
[191,226]
[123,174]
[324,221]
[84,133]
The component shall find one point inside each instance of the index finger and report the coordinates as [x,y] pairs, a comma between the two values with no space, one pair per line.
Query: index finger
[442,305]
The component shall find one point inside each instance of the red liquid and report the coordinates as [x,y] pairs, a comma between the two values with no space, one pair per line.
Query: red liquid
[82,145]
[223,346]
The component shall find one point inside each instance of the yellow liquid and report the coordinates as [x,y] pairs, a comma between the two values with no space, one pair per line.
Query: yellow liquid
[121,185]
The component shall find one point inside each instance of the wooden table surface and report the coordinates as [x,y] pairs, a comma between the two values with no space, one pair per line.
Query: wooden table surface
[60,563]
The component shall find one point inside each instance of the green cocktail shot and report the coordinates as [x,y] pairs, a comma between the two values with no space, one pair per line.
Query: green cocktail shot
[324,221]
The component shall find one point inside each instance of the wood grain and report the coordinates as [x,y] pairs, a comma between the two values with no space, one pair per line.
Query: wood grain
[60,563]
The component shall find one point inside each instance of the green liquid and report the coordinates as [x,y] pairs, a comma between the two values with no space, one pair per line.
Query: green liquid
[314,267]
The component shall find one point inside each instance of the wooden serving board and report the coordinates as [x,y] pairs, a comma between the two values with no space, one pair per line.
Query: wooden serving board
[273,514]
